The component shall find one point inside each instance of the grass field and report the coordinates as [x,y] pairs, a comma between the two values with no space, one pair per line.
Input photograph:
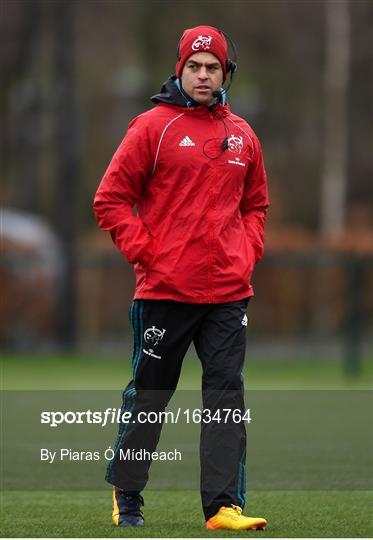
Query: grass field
[83,372]
[178,513]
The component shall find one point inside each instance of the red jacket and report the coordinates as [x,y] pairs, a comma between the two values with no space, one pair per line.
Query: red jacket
[197,180]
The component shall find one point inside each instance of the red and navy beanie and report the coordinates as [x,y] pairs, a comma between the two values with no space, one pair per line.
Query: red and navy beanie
[202,39]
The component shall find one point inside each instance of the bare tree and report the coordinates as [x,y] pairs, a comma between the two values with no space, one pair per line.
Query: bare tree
[65,116]
[336,81]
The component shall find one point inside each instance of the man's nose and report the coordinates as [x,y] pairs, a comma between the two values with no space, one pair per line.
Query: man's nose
[203,73]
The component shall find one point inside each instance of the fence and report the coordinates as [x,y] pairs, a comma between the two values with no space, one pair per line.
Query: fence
[318,301]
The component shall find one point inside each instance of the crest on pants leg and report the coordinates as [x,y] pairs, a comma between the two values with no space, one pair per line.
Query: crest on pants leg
[153,336]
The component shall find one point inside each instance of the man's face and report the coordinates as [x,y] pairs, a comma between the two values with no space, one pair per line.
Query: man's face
[202,75]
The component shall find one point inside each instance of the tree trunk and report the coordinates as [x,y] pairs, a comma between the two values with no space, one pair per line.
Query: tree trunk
[66,166]
[336,80]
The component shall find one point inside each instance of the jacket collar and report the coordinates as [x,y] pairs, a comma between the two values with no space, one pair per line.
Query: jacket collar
[172,94]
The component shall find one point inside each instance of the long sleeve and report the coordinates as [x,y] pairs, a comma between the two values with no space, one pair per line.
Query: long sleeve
[255,201]
[120,190]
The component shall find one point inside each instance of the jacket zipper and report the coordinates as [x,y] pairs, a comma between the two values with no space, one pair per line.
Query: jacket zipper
[211,224]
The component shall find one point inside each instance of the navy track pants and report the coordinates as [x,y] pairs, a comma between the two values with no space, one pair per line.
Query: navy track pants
[163,332]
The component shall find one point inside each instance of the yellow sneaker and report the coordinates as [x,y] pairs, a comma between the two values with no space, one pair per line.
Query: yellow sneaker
[127,508]
[232,518]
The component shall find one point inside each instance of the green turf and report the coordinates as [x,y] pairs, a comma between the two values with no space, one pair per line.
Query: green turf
[69,372]
[178,514]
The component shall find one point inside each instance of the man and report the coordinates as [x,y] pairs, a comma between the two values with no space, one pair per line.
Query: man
[194,171]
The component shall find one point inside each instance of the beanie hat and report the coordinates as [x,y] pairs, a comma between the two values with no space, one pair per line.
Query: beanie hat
[202,39]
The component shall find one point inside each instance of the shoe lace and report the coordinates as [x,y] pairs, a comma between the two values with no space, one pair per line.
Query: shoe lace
[134,499]
[235,509]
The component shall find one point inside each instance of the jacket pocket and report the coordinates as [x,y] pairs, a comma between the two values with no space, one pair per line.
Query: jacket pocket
[149,255]
[250,258]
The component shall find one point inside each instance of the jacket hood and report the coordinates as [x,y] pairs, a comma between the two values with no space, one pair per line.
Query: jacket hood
[172,94]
